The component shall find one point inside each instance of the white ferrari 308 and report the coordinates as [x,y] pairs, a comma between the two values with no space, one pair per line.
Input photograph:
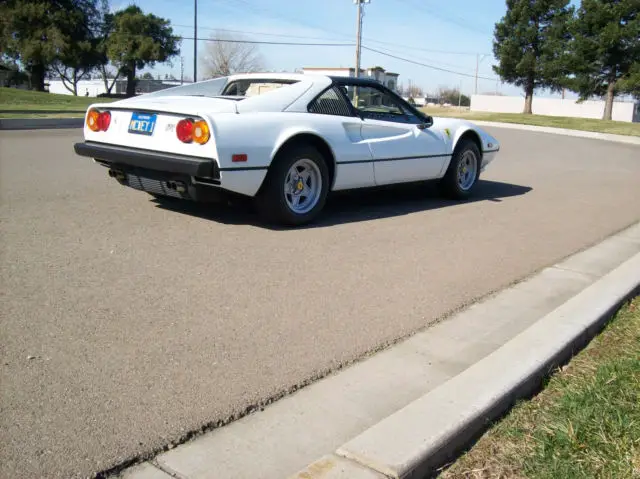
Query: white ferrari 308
[286,140]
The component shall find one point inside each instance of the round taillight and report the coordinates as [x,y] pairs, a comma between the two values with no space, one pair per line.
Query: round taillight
[93,120]
[201,132]
[98,121]
[184,130]
[104,120]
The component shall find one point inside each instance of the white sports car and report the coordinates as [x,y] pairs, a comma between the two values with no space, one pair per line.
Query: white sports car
[285,139]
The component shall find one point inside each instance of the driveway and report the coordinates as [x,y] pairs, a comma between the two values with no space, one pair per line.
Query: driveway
[127,324]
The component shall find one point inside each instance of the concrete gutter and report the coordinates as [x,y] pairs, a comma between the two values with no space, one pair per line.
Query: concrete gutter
[632,140]
[409,409]
[417,440]
[40,123]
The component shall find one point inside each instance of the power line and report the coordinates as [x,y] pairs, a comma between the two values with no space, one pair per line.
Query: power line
[225,40]
[425,64]
[460,22]
[291,20]
[248,32]
[432,62]
[370,40]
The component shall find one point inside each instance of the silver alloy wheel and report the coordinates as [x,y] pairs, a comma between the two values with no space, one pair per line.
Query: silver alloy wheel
[302,186]
[467,170]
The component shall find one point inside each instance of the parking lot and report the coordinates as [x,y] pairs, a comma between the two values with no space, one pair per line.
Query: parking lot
[127,324]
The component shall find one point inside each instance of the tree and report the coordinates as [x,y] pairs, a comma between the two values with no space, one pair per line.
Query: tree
[453,97]
[147,76]
[414,91]
[229,56]
[529,45]
[137,40]
[604,53]
[80,54]
[35,32]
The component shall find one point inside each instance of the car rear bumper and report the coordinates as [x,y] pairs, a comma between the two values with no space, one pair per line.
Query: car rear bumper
[123,157]
[160,174]
[133,166]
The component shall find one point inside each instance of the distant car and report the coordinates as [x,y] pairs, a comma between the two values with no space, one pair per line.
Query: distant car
[285,139]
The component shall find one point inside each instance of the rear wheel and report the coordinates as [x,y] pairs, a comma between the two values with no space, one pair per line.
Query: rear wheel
[296,187]
[463,172]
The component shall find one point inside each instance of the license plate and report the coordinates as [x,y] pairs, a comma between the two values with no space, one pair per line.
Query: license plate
[142,123]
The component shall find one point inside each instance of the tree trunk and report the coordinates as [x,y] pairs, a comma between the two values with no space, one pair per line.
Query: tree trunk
[131,80]
[36,79]
[528,101]
[608,105]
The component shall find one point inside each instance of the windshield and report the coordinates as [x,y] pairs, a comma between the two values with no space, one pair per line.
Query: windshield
[221,87]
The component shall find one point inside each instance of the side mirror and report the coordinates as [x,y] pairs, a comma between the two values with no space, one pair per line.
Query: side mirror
[428,123]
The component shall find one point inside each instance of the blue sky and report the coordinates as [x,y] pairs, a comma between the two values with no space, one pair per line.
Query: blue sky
[446,35]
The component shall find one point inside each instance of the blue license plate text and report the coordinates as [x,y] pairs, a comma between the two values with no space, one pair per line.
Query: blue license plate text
[142,123]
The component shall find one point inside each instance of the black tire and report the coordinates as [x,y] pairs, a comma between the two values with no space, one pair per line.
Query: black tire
[271,201]
[449,184]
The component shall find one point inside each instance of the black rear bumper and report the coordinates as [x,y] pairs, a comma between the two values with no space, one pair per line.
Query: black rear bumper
[121,156]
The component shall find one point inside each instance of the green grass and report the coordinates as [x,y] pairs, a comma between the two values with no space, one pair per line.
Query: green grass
[68,114]
[585,124]
[25,100]
[584,424]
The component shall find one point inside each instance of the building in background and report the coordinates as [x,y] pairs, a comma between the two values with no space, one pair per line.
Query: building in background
[388,79]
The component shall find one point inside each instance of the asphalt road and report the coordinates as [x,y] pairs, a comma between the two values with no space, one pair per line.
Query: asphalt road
[126,324]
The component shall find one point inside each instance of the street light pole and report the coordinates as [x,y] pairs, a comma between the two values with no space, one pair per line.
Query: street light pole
[195,41]
[479,58]
[359,34]
[477,65]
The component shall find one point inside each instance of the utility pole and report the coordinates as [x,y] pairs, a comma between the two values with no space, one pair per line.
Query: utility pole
[477,66]
[195,41]
[359,34]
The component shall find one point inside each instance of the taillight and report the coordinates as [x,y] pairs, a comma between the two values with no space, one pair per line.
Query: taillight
[201,132]
[104,120]
[188,130]
[92,120]
[184,130]
[98,121]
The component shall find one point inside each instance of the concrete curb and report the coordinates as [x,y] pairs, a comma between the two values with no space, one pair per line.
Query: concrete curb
[632,140]
[40,123]
[423,436]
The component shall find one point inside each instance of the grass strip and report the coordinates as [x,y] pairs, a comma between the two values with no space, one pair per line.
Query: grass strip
[583,124]
[585,423]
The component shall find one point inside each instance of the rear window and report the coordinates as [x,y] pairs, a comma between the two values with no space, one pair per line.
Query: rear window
[221,87]
[254,87]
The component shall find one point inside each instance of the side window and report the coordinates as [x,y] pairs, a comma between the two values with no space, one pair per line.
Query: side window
[376,104]
[331,102]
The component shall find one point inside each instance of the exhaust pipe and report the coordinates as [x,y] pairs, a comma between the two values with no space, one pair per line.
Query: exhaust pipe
[118,175]
[176,186]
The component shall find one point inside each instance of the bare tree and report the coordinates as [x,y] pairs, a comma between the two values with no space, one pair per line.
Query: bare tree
[226,55]
[414,91]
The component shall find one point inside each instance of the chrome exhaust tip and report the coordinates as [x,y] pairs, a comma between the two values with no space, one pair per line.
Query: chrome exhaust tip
[118,175]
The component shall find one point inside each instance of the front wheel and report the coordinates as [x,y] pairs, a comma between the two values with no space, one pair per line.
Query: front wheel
[463,172]
[296,187]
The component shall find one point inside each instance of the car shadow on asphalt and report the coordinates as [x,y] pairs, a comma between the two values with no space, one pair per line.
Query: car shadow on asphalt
[348,206]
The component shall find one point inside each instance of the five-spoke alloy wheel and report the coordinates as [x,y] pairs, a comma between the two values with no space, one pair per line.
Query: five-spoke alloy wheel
[296,187]
[463,172]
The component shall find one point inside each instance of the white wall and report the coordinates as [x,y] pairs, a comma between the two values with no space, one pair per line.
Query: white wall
[94,87]
[622,111]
